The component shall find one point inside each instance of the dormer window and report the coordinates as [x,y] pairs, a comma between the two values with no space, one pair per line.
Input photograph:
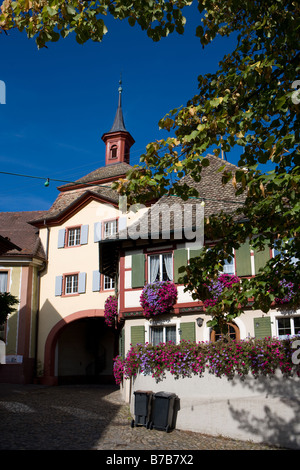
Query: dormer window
[113,151]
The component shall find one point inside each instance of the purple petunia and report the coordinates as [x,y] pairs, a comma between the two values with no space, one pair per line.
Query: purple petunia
[225,281]
[158,298]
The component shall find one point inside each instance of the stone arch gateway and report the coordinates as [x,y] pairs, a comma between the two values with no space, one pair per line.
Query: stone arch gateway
[80,349]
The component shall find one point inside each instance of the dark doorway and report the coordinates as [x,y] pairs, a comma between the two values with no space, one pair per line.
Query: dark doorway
[85,352]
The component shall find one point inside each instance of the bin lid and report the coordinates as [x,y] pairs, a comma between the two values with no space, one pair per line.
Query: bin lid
[165,395]
[147,392]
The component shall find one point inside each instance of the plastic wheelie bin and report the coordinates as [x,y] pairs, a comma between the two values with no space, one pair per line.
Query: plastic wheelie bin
[142,408]
[162,411]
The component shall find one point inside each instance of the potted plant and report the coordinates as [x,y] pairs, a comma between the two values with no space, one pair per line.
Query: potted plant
[110,310]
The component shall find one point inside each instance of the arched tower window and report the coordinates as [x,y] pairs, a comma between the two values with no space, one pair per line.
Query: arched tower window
[113,151]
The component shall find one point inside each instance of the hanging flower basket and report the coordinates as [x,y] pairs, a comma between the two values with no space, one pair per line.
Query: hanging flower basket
[215,290]
[110,310]
[158,298]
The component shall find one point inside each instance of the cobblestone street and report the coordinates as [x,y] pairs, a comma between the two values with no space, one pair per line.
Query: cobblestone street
[88,418]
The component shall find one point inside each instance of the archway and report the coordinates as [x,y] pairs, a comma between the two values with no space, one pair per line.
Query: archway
[80,349]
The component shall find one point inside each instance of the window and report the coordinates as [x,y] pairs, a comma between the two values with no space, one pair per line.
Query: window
[110,228]
[228,267]
[109,283]
[160,267]
[113,151]
[71,284]
[279,250]
[3,281]
[162,334]
[232,331]
[74,236]
[288,326]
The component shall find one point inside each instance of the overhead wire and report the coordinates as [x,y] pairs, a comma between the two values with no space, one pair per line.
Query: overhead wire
[47,182]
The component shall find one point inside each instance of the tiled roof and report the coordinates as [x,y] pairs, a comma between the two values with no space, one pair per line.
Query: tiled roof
[72,194]
[216,197]
[102,173]
[66,201]
[6,245]
[16,227]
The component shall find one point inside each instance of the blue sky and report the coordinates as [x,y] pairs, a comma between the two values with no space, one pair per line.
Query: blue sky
[60,101]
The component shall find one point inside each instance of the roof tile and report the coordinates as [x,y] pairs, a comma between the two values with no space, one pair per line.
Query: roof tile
[16,227]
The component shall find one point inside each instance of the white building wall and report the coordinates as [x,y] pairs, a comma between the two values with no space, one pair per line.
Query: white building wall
[84,258]
[263,410]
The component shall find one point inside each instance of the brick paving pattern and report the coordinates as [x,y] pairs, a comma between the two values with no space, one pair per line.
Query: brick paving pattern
[88,418]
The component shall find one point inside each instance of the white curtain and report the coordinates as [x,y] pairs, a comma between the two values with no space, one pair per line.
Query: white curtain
[157,335]
[3,282]
[171,334]
[154,266]
[228,268]
[167,259]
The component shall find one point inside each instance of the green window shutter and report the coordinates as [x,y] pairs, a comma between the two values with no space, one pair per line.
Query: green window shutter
[137,335]
[180,259]
[138,270]
[195,253]
[262,327]
[261,258]
[122,343]
[188,331]
[243,260]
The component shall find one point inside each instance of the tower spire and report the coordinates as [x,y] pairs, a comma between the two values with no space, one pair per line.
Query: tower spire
[118,140]
[119,124]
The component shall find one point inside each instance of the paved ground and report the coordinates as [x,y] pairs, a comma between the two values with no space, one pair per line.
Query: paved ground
[88,418]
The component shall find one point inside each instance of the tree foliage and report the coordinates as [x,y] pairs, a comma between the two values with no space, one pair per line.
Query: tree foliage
[250,103]
[7,306]
[50,20]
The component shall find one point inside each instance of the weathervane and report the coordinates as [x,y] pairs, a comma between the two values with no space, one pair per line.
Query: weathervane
[120,83]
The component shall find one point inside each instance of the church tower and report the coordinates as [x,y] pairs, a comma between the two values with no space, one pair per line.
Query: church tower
[118,140]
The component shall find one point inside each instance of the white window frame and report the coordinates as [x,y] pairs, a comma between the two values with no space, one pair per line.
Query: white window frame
[292,326]
[160,255]
[108,283]
[110,227]
[72,286]
[74,236]
[232,263]
[150,325]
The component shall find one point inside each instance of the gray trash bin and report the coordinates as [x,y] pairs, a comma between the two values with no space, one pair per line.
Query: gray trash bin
[142,408]
[162,411]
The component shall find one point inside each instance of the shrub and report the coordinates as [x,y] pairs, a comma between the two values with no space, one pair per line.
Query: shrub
[222,358]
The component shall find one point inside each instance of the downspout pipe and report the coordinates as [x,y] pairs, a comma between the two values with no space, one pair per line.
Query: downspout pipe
[40,272]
